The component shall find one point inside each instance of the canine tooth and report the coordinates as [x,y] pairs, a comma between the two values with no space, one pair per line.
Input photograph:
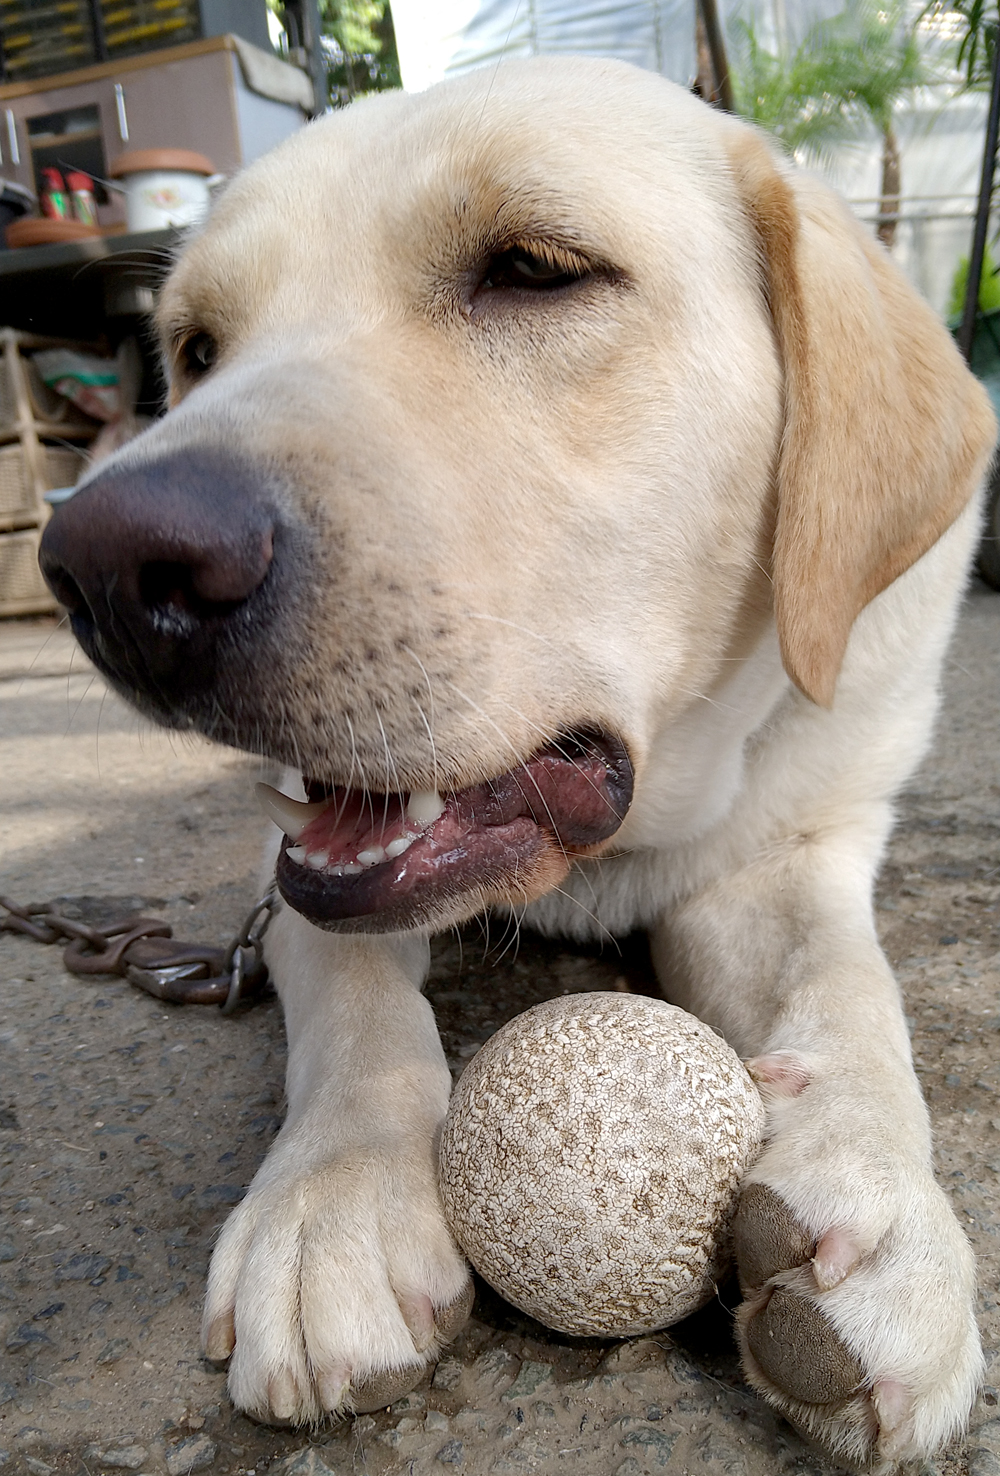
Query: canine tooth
[317,860]
[372,856]
[397,847]
[291,816]
[424,807]
[296,853]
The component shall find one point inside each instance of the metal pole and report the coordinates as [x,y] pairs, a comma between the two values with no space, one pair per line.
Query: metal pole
[968,329]
[717,46]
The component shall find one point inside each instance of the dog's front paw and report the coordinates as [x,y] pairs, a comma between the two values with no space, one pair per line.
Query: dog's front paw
[871,1349]
[333,1289]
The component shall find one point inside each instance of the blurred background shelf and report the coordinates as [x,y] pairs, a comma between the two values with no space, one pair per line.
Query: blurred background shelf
[42,441]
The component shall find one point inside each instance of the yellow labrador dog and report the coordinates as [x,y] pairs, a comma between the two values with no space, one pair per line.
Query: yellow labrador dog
[578,502]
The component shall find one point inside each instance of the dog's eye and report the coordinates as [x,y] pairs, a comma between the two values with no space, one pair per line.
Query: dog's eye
[199,353]
[533,271]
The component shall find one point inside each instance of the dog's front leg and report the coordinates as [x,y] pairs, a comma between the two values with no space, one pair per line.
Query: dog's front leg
[336,1279]
[858,1315]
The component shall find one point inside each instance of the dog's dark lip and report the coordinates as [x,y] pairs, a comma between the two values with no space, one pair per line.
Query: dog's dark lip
[501,840]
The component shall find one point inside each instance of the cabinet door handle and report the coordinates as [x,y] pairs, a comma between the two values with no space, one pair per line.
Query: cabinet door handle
[15,152]
[122,115]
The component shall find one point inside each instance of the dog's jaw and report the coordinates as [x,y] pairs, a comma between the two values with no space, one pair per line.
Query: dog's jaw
[387,862]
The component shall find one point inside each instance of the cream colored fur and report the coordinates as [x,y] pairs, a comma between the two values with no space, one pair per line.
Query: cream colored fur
[563,513]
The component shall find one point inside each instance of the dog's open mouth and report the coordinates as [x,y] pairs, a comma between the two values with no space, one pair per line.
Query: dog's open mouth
[356,861]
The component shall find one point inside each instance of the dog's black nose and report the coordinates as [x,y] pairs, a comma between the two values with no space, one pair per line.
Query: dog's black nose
[154,561]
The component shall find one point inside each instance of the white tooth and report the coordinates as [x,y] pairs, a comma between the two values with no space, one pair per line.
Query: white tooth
[372,856]
[397,847]
[351,868]
[296,853]
[291,816]
[317,860]
[424,807]
[335,870]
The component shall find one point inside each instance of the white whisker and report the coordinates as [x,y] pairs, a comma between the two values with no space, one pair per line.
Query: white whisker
[429,725]
[592,915]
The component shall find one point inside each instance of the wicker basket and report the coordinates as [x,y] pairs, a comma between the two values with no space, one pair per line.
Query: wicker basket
[23,591]
[61,467]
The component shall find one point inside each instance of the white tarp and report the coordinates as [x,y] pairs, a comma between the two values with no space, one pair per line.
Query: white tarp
[440,38]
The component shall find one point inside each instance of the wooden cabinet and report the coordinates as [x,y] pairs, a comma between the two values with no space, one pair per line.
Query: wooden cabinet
[69,127]
[188,97]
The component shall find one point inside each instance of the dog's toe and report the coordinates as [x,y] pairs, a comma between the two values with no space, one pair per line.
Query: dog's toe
[867,1346]
[792,1347]
[333,1291]
[445,1323]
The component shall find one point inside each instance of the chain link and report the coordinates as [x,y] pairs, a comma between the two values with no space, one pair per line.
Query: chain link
[144,951]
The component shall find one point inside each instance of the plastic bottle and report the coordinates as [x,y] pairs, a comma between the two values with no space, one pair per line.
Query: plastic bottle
[81,188]
[54,200]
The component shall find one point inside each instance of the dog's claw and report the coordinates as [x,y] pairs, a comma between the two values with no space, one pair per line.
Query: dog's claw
[782,1073]
[282,1397]
[220,1337]
[381,1389]
[894,1407]
[332,1387]
[418,1314]
[451,1319]
[378,1390]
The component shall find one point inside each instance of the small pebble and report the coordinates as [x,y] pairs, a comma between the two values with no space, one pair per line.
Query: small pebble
[531,1377]
[128,1458]
[449,1370]
[306,1462]
[408,1402]
[194,1454]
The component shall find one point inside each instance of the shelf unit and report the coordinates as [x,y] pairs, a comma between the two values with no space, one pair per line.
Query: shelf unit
[42,441]
[39,39]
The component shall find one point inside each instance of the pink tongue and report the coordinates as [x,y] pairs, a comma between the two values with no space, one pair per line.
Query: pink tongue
[354,821]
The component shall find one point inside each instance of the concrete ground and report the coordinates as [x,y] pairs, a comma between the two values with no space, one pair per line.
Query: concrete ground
[128,1127]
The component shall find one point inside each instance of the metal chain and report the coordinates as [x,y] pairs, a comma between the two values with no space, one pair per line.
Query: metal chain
[144,951]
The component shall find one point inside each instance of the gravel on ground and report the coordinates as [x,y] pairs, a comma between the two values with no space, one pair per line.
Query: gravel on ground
[128,1128]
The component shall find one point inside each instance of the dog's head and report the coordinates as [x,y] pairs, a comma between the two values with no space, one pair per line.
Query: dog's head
[496,411]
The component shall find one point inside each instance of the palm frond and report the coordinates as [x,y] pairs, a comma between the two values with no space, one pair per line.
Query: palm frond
[848,71]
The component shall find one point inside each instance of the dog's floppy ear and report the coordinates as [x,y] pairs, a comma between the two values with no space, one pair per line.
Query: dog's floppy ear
[886,433]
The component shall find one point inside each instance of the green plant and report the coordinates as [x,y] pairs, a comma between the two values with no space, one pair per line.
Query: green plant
[979,21]
[848,72]
[989,287]
[363,34]
[359,47]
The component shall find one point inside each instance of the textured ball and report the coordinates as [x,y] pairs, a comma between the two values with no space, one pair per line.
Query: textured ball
[591,1161]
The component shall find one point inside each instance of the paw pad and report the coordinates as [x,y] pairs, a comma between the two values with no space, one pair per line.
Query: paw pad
[766,1237]
[799,1351]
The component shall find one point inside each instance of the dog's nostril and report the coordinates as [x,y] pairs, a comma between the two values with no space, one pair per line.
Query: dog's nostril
[213,581]
[170,591]
[66,590]
[163,584]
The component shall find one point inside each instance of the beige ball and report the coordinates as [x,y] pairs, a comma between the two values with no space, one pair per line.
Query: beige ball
[592,1158]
